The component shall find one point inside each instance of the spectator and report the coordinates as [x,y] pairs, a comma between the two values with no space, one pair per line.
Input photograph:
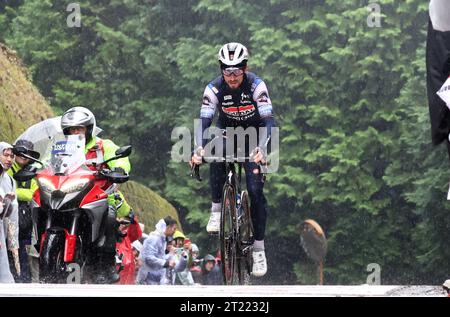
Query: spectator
[137,249]
[179,237]
[185,277]
[131,232]
[195,252]
[25,191]
[180,257]
[8,215]
[153,256]
[208,273]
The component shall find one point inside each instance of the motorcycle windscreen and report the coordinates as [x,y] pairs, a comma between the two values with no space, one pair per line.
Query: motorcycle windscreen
[43,134]
[67,154]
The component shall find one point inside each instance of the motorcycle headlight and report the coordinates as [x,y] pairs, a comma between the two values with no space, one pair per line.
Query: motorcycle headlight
[46,185]
[74,186]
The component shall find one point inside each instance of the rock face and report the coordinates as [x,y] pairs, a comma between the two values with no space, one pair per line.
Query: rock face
[148,206]
[21,105]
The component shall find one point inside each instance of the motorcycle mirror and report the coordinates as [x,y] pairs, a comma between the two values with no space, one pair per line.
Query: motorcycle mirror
[124,151]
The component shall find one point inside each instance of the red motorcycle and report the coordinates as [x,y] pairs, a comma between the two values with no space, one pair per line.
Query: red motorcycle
[71,215]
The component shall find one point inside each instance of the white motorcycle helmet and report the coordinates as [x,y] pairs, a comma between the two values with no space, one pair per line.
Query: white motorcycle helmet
[79,117]
[233,55]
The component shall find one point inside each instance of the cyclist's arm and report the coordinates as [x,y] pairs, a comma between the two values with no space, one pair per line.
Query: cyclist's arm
[265,109]
[209,105]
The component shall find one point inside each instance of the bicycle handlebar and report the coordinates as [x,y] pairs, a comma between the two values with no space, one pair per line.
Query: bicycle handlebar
[195,169]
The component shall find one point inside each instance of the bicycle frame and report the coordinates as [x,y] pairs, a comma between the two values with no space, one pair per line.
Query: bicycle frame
[237,241]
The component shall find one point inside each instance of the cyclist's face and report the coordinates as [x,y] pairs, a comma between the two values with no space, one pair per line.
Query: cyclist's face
[234,81]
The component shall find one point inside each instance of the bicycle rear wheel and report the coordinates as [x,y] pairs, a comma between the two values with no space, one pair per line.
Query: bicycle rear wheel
[228,236]
[245,241]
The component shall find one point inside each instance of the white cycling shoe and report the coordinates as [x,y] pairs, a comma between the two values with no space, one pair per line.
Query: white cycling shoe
[213,223]
[259,263]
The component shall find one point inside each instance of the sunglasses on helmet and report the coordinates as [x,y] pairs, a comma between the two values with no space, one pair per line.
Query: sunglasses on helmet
[233,71]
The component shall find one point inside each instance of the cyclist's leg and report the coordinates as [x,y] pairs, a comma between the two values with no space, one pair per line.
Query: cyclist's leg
[258,201]
[217,180]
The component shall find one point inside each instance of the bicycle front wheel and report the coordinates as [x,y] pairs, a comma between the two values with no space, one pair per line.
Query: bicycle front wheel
[228,236]
[245,241]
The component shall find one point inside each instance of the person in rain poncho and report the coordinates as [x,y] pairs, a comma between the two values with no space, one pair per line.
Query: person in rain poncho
[208,272]
[183,248]
[8,215]
[153,255]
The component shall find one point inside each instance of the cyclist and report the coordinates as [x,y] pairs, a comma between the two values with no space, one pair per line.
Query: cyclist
[242,100]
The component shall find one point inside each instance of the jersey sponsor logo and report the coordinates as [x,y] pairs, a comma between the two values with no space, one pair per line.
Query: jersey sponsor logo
[239,111]
[215,90]
[244,96]
[262,98]
[227,97]
[206,100]
[444,92]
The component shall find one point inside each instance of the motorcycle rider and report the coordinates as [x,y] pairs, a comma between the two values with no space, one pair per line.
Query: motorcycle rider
[80,120]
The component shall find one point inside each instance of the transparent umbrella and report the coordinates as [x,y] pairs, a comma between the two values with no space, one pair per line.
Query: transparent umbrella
[43,133]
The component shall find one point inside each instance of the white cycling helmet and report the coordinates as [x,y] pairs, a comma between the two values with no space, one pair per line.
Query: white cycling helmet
[233,54]
[79,117]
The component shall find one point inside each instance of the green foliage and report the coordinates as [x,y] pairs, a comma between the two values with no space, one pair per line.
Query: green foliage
[350,100]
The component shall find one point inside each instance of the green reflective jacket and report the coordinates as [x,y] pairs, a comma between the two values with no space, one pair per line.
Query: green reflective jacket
[109,151]
[25,190]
